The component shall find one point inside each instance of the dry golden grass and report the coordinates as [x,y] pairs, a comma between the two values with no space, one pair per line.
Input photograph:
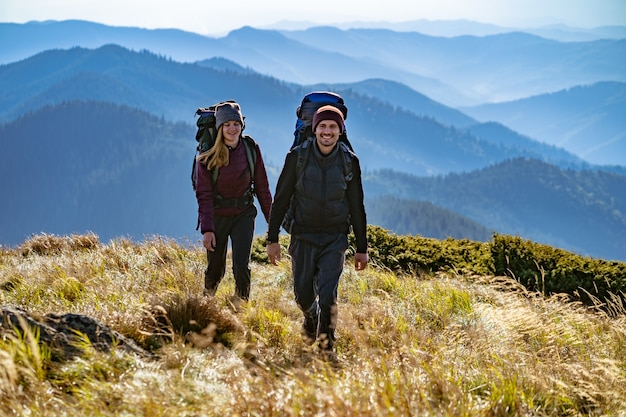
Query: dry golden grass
[430,345]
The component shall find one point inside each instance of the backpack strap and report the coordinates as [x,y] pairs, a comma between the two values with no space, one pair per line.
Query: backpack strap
[249,145]
[303,153]
[347,155]
[344,149]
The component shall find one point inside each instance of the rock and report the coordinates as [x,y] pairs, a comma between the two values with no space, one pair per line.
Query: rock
[65,334]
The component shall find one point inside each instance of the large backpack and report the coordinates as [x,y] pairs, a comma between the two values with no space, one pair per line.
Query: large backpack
[304,138]
[206,136]
[306,110]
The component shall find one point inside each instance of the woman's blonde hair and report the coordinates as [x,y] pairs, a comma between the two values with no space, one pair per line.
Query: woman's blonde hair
[217,155]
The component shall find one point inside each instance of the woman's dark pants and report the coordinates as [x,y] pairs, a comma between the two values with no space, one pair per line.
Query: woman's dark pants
[240,229]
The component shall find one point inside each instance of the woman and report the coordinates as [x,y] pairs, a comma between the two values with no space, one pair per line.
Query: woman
[226,200]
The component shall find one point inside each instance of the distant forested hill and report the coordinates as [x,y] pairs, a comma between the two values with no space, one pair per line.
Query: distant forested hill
[583,211]
[91,166]
[410,217]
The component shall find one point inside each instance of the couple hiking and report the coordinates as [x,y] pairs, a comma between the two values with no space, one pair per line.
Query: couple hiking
[317,200]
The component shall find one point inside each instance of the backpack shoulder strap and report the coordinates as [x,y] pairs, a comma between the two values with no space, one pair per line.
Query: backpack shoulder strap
[303,153]
[250,145]
[214,174]
[347,154]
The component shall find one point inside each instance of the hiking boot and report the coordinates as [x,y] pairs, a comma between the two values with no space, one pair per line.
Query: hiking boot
[326,342]
[330,356]
[236,303]
[309,330]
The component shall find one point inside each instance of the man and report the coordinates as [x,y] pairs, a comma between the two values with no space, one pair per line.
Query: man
[324,202]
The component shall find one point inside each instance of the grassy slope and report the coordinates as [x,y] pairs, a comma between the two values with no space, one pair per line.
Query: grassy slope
[435,344]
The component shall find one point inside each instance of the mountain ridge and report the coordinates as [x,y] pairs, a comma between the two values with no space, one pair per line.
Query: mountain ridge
[461,27]
[174,90]
[582,211]
[584,119]
[448,70]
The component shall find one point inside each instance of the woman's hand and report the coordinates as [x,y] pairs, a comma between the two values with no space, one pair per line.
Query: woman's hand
[208,240]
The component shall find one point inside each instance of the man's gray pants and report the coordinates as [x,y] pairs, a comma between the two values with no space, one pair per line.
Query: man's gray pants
[317,262]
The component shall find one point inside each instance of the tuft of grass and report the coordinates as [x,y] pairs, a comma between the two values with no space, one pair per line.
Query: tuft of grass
[48,244]
[196,318]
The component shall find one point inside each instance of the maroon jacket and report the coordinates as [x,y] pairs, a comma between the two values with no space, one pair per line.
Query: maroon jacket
[233,181]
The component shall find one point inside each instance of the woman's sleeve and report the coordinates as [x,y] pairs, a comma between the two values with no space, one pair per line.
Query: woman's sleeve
[204,195]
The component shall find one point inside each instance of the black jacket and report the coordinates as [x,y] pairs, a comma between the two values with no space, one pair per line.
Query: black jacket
[325,202]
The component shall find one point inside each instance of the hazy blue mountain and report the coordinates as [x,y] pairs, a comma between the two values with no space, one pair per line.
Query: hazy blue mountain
[582,211]
[384,134]
[265,51]
[223,64]
[439,28]
[396,94]
[146,81]
[491,68]
[30,38]
[566,33]
[112,73]
[462,27]
[463,70]
[502,135]
[270,52]
[589,121]
[400,95]
[87,166]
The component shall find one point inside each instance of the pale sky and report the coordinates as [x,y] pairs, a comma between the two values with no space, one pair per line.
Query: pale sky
[217,17]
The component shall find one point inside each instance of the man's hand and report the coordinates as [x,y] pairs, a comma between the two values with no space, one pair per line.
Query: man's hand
[273,252]
[208,240]
[360,261]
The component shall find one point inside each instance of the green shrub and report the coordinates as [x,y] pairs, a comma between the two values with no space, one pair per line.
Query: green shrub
[550,270]
[415,254]
[259,254]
